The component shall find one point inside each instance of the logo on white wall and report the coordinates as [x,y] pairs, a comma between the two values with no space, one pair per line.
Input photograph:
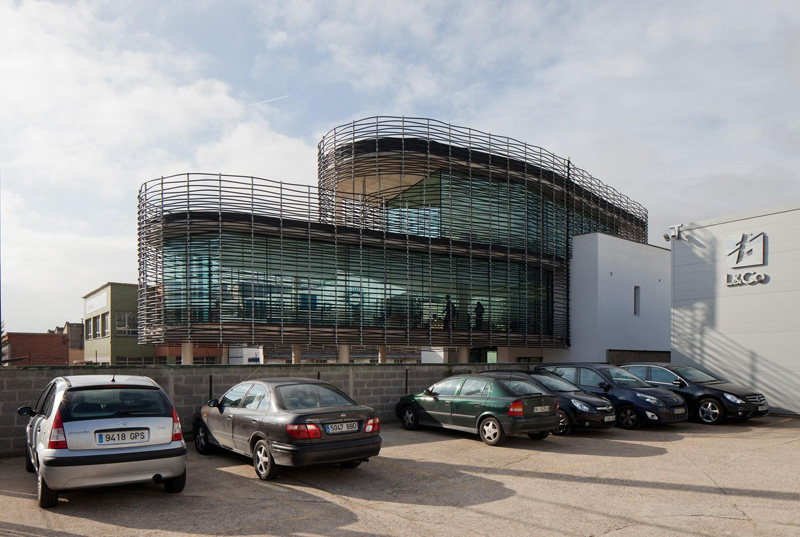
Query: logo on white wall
[747,251]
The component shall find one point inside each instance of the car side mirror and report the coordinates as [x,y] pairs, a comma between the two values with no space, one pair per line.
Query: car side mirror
[213,403]
[678,383]
[25,411]
[605,386]
[430,393]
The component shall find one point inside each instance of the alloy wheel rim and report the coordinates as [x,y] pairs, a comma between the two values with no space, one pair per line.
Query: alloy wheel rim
[263,460]
[709,412]
[628,417]
[408,418]
[200,439]
[489,430]
[562,423]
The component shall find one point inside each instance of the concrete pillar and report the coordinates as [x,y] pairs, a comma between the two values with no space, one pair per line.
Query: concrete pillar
[187,353]
[297,353]
[463,354]
[344,353]
[381,354]
[224,360]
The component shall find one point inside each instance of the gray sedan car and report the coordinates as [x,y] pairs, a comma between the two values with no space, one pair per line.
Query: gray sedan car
[100,430]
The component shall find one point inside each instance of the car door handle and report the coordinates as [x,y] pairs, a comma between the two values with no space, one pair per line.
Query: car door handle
[229,418]
[476,404]
[447,403]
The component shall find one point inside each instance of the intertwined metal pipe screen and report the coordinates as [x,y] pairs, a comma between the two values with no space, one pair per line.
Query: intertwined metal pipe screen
[420,233]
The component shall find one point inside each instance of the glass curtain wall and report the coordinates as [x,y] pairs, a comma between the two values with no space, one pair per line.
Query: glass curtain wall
[299,282]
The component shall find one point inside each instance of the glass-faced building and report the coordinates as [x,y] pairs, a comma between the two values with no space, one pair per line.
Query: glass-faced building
[419,233]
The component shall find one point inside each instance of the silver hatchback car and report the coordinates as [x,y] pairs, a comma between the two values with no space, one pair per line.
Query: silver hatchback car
[100,430]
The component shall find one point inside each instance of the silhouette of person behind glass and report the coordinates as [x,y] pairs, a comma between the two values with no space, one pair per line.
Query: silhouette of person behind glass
[479,316]
[448,313]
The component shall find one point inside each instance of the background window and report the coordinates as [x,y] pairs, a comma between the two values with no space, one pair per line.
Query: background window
[126,323]
[104,324]
[87,329]
[95,327]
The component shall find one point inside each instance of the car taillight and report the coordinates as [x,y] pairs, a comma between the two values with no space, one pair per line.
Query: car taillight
[373,426]
[515,409]
[303,432]
[177,433]
[57,438]
[558,406]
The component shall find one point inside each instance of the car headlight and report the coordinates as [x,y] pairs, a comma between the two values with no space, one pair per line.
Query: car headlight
[650,399]
[733,399]
[580,405]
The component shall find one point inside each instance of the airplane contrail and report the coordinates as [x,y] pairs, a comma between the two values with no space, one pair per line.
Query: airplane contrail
[269,100]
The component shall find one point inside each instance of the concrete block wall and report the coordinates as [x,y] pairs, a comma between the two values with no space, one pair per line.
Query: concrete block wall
[376,385]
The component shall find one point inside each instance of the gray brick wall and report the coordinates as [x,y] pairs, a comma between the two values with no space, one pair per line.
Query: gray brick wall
[375,385]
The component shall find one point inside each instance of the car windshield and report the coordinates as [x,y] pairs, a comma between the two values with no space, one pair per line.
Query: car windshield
[303,396]
[693,374]
[111,402]
[520,387]
[624,378]
[556,384]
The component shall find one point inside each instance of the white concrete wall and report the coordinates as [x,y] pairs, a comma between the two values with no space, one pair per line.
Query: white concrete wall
[603,274]
[748,333]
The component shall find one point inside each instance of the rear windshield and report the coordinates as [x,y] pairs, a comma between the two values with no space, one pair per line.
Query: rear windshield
[302,396]
[112,402]
[520,387]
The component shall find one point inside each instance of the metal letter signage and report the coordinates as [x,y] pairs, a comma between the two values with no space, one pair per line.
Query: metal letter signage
[748,251]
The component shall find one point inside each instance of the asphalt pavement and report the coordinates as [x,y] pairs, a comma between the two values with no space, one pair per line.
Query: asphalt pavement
[738,479]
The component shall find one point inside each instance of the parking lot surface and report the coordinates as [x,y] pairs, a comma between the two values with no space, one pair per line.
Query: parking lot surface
[738,479]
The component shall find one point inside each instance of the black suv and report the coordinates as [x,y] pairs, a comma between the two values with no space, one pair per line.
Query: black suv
[711,398]
[576,408]
[636,401]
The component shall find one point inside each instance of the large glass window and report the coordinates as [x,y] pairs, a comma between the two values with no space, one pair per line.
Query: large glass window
[446,387]
[234,396]
[126,323]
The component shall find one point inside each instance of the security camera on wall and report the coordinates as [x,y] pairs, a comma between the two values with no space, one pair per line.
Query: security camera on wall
[666,237]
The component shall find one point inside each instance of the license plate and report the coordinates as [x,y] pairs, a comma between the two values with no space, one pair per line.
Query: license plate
[541,408]
[338,428]
[680,410]
[132,436]
[762,408]
[609,418]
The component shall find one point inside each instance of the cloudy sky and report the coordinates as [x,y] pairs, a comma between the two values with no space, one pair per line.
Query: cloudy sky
[690,108]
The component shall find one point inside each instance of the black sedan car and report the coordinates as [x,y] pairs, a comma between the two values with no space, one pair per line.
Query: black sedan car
[711,398]
[636,401]
[576,407]
[492,408]
[288,422]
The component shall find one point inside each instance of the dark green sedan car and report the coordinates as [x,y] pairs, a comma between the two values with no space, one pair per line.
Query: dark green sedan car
[492,408]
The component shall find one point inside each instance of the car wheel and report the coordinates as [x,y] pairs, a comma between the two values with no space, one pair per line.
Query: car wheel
[492,432]
[628,418]
[409,418]
[202,441]
[29,467]
[539,436]
[564,424]
[710,411]
[46,496]
[175,484]
[351,464]
[263,462]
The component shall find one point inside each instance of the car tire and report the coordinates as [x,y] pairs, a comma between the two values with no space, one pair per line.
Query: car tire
[409,418]
[710,411]
[175,484]
[539,436]
[29,467]
[46,496]
[202,440]
[351,464]
[264,464]
[491,432]
[628,418]
[564,424]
